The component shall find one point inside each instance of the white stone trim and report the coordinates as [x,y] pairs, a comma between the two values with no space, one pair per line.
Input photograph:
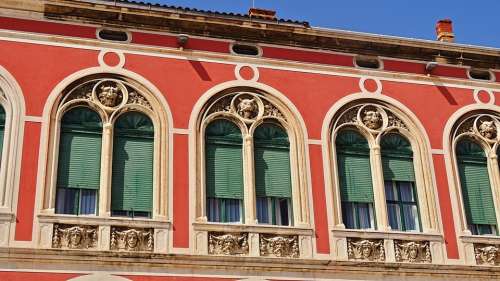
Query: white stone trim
[464,238]
[301,200]
[426,185]
[162,184]
[37,119]
[178,131]
[437,151]
[238,76]
[314,142]
[490,94]
[12,100]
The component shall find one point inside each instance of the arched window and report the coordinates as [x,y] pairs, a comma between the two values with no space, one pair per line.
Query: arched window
[399,181]
[355,179]
[224,171]
[133,156]
[475,184]
[381,170]
[79,164]
[273,186]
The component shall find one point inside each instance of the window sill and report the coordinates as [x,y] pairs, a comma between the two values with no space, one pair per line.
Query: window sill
[398,235]
[111,221]
[271,229]
[483,239]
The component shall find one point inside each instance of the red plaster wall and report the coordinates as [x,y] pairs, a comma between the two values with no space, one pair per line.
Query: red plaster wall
[29,276]
[39,68]
[173,278]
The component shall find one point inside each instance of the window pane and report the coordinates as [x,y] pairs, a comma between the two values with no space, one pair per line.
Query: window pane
[410,214]
[394,216]
[390,191]
[232,210]
[66,201]
[406,191]
[283,217]
[262,210]
[213,210]
[348,215]
[88,201]
[364,215]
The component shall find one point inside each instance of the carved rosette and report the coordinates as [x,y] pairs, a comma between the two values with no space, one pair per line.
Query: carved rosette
[108,94]
[365,249]
[280,246]
[67,236]
[412,251]
[245,106]
[481,127]
[230,244]
[373,118]
[487,254]
[132,239]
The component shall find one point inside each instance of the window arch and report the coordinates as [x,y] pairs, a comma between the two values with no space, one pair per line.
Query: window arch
[263,144]
[474,150]
[392,189]
[268,137]
[132,129]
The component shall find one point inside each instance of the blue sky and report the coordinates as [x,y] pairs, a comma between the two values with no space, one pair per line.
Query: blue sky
[474,22]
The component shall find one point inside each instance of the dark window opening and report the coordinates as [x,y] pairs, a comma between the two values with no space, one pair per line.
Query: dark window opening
[367,62]
[247,50]
[480,74]
[113,35]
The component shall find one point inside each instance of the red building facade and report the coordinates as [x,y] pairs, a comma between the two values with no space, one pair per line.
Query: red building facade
[182,69]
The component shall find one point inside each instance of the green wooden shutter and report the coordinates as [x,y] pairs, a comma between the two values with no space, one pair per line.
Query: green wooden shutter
[2,128]
[475,182]
[397,158]
[223,160]
[80,142]
[272,162]
[133,152]
[353,161]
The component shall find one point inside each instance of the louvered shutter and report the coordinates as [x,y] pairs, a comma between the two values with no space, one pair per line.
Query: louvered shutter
[79,164]
[272,162]
[475,183]
[133,152]
[223,160]
[397,158]
[353,162]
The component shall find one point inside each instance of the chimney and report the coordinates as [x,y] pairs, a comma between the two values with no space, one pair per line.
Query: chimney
[262,14]
[444,31]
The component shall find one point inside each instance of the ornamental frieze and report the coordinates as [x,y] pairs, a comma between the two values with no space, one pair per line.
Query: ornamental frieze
[132,239]
[487,254]
[365,249]
[412,251]
[245,106]
[74,236]
[280,246]
[481,127]
[227,243]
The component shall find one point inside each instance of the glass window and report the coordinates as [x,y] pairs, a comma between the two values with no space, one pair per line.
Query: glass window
[79,164]
[272,175]
[223,172]
[132,178]
[402,206]
[355,179]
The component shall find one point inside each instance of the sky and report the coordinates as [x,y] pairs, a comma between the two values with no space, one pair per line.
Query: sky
[475,22]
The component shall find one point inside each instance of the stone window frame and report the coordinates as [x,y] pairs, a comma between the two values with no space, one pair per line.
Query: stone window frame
[395,119]
[12,100]
[221,106]
[466,125]
[144,101]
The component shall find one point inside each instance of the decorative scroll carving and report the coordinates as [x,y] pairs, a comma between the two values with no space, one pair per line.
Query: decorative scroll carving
[412,251]
[365,249]
[245,106]
[480,127]
[227,243]
[135,98]
[279,246]
[487,254]
[132,239]
[110,95]
[74,236]
[374,118]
